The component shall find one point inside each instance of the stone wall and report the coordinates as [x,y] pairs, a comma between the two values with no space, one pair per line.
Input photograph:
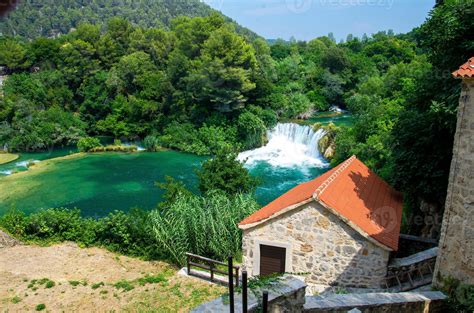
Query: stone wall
[423,302]
[456,255]
[319,244]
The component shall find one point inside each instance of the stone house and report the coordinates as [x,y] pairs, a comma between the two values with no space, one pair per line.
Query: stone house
[338,229]
[456,244]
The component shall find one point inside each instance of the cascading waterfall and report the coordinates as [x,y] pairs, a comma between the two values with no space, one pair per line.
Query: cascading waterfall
[289,145]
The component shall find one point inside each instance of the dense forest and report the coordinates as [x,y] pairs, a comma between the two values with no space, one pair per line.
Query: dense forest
[198,85]
[50,18]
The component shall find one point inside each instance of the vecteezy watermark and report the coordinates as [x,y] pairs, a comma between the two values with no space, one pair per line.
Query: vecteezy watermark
[299,6]
[385,218]
[302,6]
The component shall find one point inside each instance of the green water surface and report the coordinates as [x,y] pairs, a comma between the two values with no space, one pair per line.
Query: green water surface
[101,183]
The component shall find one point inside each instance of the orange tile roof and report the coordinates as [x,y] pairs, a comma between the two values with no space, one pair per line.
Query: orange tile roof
[466,70]
[354,193]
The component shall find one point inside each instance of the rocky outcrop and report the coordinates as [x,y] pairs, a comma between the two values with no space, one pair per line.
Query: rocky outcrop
[327,144]
[7,241]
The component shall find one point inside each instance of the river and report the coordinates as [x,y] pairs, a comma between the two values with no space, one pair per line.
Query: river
[101,183]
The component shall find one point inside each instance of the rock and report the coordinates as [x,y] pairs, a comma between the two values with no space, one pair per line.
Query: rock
[330,151]
[326,144]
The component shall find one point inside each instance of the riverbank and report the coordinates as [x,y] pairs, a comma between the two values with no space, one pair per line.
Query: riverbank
[8,157]
[66,277]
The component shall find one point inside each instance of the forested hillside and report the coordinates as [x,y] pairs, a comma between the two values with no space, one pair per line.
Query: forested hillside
[51,18]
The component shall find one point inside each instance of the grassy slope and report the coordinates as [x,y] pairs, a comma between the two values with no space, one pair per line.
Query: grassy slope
[94,279]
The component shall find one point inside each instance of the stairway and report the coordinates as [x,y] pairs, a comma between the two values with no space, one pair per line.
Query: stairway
[411,272]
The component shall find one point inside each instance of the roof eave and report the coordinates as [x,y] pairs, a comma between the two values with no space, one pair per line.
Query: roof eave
[276,214]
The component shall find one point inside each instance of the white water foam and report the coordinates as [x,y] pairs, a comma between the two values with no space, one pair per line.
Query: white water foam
[6,172]
[289,145]
[337,109]
[26,163]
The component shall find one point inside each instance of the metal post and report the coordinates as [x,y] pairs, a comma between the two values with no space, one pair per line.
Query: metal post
[236,277]
[265,302]
[244,292]
[231,284]
[211,267]
[189,265]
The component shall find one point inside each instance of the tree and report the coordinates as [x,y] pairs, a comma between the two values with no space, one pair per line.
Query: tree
[225,173]
[223,79]
[12,54]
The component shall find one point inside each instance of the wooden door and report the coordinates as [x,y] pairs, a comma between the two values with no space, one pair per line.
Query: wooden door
[272,260]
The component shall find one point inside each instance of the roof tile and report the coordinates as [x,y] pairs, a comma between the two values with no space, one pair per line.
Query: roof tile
[466,70]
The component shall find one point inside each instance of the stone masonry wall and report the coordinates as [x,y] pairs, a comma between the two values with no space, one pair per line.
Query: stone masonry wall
[321,245]
[456,255]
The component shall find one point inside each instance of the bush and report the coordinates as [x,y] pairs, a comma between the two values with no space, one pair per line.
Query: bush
[152,143]
[183,137]
[50,225]
[86,144]
[224,172]
[205,225]
[128,233]
[201,141]
[251,130]
[460,296]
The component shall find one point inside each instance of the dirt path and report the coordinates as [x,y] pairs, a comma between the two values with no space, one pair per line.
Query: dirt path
[85,280]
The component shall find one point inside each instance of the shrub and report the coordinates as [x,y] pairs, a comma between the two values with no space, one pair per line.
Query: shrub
[128,233]
[86,144]
[14,221]
[123,284]
[224,172]
[251,130]
[98,285]
[152,143]
[40,307]
[183,137]
[49,284]
[160,278]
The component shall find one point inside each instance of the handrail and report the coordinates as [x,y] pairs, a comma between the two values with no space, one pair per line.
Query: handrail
[210,266]
[208,259]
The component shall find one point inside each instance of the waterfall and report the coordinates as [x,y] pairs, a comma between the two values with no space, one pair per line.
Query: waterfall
[289,145]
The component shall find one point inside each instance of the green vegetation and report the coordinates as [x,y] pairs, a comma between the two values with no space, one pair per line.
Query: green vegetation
[86,144]
[225,173]
[40,307]
[406,115]
[97,285]
[205,225]
[76,283]
[186,85]
[124,284]
[46,282]
[16,300]
[460,296]
[160,278]
[50,18]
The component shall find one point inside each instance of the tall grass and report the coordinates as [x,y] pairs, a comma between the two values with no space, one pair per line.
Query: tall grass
[204,225]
